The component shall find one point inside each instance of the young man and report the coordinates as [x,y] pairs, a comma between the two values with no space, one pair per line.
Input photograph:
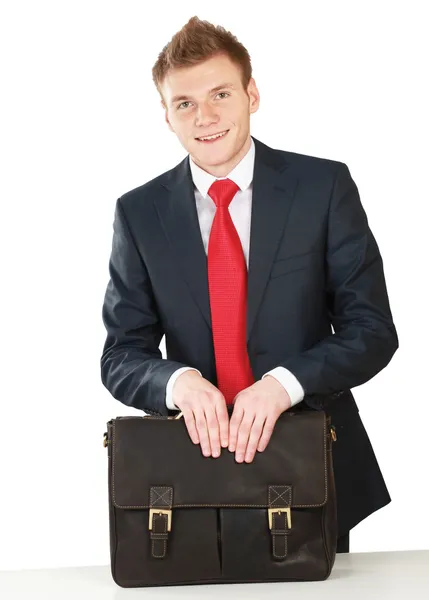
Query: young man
[245,257]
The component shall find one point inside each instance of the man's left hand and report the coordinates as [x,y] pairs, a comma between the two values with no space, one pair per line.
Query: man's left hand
[256,410]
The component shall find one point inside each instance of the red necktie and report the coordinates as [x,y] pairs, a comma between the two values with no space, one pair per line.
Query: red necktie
[227,278]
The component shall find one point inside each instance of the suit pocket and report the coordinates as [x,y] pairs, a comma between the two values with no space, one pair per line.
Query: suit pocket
[281,266]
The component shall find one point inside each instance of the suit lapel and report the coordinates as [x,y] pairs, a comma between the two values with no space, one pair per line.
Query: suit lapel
[272,197]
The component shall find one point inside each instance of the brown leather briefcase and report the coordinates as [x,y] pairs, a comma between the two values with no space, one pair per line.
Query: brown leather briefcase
[177,517]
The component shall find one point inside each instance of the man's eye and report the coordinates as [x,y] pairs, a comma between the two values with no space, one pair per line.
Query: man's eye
[187,101]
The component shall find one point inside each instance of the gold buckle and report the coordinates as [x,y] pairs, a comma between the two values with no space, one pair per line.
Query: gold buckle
[160,511]
[279,510]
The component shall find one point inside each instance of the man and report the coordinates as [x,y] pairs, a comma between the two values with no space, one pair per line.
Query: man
[259,267]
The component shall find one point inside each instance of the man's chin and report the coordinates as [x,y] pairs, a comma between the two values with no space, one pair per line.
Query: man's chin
[206,162]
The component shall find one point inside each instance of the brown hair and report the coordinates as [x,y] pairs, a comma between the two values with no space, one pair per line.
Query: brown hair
[195,42]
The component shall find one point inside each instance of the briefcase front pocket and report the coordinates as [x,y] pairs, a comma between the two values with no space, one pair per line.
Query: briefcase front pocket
[190,554]
[250,551]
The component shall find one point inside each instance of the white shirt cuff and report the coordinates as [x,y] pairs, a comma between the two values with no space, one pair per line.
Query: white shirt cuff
[289,382]
[169,390]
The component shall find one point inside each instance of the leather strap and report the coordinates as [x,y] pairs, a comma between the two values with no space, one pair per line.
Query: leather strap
[280,496]
[161,497]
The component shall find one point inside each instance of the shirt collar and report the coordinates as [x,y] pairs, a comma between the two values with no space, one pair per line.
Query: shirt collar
[241,174]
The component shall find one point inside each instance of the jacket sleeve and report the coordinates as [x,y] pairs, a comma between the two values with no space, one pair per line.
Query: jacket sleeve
[132,367]
[364,338]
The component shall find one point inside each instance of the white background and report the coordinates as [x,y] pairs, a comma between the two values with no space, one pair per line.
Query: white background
[81,124]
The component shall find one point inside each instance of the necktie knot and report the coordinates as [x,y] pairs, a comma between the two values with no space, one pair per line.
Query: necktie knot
[222,191]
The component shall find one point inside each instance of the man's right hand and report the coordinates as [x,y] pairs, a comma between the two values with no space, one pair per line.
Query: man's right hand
[204,410]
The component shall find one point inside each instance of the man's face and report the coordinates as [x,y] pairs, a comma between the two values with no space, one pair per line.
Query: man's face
[194,109]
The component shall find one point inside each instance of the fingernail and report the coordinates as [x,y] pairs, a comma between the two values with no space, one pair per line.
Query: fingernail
[215,453]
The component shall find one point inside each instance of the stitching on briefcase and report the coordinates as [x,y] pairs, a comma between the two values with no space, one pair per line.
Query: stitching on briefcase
[161,501]
[154,542]
[279,496]
[273,538]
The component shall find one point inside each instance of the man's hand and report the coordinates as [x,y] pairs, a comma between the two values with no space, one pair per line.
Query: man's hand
[256,410]
[204,410]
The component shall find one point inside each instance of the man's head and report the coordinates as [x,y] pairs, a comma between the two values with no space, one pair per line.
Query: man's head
[198,59]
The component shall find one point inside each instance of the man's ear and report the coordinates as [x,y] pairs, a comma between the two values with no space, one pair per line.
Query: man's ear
[254,97]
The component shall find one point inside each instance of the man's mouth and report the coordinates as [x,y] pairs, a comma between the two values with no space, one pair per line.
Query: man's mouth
[210,139]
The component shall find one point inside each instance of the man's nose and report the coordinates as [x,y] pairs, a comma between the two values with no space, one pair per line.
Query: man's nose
[205,115]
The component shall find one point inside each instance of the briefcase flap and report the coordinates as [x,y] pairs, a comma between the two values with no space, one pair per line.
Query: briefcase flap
[147,452]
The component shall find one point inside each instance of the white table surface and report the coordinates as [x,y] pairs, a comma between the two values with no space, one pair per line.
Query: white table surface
[355,576]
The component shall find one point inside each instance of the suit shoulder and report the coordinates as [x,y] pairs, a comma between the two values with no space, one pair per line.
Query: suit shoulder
[145,192]
[307,162]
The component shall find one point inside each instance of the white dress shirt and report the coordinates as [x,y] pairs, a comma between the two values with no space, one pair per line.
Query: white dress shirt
[240,210]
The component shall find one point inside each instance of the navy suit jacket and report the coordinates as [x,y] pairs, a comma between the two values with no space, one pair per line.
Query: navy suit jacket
[317,301]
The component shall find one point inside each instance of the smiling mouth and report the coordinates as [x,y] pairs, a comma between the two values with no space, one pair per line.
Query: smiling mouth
[218,137]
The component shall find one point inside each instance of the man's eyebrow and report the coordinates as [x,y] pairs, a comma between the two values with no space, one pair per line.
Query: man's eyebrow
[215,89]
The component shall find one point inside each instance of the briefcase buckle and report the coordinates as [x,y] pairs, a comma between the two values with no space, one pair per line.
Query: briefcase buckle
[279,510]
[160,511]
